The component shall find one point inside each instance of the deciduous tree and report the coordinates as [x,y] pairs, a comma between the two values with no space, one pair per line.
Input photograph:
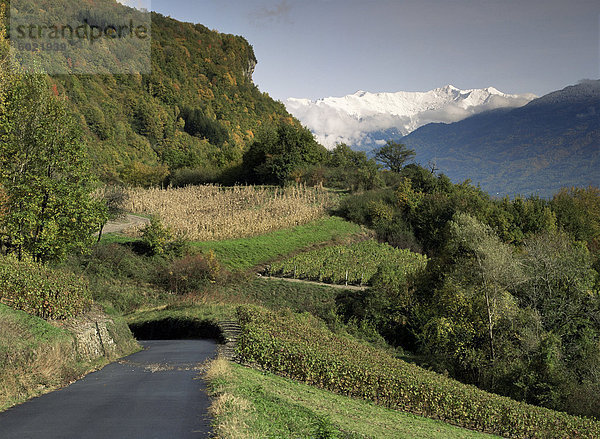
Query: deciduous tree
[49,209]
[394,155]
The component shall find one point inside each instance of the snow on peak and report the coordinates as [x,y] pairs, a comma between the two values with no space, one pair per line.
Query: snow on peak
[449,87]
[351,118]
[494,91]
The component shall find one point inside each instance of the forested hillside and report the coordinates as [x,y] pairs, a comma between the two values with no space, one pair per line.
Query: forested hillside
[198,109]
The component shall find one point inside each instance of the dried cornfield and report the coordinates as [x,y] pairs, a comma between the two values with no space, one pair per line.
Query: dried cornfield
[210,213]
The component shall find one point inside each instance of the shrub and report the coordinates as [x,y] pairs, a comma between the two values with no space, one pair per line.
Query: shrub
[194,176]
[157,236]
[40,291]
[114,196]
[191,273]
[398,234]
[360,208]
[141,174]
[300,347]
[116,261]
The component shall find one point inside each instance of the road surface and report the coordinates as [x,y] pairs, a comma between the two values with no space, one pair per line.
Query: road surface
[154,393]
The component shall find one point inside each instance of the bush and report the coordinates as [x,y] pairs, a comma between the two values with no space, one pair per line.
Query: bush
[191,273]
[398,234]
[119,276]
[114,197]
[360,208]
[42,292]
[116,261]
[301,348]
[141,174]
[157,236]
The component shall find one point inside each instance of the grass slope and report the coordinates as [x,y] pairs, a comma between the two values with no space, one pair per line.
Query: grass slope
[245,253]
[221,303]
[37,357]
[251,403]
[318,300]
[34,356]
[184,312]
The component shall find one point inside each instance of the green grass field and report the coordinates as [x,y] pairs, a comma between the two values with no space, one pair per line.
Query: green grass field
[256,404]
[245,253]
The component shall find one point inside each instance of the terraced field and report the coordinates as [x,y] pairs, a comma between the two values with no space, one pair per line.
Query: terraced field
[354,264]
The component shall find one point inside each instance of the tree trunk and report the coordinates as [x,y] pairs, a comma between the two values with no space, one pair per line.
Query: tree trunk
[490,324]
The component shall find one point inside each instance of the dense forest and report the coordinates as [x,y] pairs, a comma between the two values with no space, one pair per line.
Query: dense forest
[191,117]
[509,300]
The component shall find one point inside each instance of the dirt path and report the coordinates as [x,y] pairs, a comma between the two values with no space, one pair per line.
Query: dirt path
[124,223]
[343,287]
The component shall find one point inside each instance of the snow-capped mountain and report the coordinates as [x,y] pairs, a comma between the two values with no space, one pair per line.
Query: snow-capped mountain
[363,120]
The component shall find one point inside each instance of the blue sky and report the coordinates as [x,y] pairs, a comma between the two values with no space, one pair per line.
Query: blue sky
[319,48]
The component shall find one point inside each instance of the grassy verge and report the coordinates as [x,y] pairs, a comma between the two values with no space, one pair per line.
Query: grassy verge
[37,357]
[34,356]
[253,404]
[244,253]
[187,310]
[117,238]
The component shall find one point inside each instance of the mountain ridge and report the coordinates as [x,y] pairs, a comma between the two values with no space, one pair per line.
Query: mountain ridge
[363,119]
[552,142]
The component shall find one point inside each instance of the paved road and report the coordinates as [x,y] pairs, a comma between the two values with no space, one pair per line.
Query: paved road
[151,394]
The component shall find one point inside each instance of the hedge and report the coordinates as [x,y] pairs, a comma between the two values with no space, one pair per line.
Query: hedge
[41,291]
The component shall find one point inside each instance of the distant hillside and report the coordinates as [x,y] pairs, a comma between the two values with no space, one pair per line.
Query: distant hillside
[197,109]
[553,141]
[365,120]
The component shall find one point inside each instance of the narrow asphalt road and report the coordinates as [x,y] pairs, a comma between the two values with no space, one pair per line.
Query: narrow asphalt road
[154,393]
